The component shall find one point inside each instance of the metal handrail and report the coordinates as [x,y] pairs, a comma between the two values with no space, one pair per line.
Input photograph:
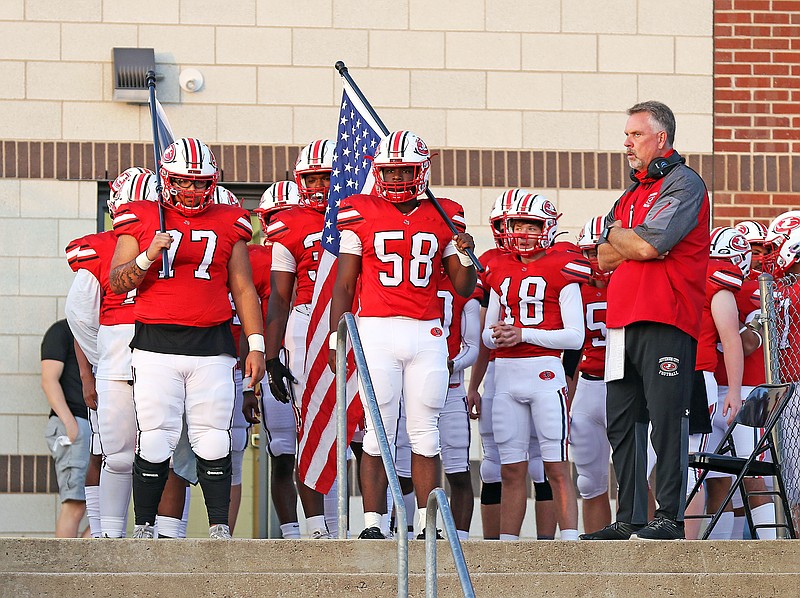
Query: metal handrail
[347,327]
[437,500]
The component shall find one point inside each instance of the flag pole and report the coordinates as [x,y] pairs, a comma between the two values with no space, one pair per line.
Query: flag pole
[151,84]
[340,66]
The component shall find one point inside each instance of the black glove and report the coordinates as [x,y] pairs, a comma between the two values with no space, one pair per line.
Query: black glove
[250,405]
[276,373]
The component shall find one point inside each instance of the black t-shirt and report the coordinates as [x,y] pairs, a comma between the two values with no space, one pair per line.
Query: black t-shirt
[58,344]
[174,339]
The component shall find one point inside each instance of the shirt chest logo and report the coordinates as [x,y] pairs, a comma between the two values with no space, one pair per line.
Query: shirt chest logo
[650,199]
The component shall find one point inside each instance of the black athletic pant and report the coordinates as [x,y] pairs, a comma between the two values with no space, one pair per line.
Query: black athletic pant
[656,388]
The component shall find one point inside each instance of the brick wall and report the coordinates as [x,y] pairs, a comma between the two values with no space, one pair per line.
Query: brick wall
[756,108]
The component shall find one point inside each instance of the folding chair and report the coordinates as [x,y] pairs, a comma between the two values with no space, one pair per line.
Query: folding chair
[762,409]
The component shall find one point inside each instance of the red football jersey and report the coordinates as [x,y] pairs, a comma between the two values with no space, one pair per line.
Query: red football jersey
[486,260]
[747,301]
[788,314]
[452,309]
[593,359]
[299,229]
[260,262]
[196,293]
[529,294]
[721,275]
[93,253]
[401,254]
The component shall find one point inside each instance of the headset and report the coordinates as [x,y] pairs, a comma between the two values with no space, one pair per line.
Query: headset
[659,167]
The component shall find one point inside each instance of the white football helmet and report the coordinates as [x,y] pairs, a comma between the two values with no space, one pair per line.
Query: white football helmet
[587,241]
[789,253]
[223,196]
[277,197]
[778,234]
[124,190]
[315,158]
[189,160]
[755,233]
[497,216]
[729,244]
[530,207]
[401,149]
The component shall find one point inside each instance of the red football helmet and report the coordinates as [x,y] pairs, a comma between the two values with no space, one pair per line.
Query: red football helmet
[277,197]
[188,175]
[530,207]
[315,158]
[402,149]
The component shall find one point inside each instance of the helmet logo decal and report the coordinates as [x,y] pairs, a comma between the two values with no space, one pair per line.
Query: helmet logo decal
[739,243]
[788,224]
[421,148]
[169,154]
[549,209]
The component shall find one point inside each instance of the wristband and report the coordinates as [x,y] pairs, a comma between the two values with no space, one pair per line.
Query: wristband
[465,260]
[143,262]
[745,327]
[256,342]
[246,382]
[333,339]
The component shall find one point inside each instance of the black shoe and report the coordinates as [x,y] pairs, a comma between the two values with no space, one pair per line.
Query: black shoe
[439,536]
[619,530]
[660,529]
[371,533]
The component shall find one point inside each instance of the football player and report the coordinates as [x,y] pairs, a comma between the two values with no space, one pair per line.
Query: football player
[279,426]
[296,234]
[535,312]
[183,350]
[397,243]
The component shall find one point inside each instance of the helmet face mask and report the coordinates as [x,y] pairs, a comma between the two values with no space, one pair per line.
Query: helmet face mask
[278,196]
[729,244]
[530,208]
[189,176]
[755,233]
[312,173]
[130,185]
[397,152]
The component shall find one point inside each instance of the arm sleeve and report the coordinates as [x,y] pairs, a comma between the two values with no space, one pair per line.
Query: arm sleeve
[83,313]
[470,336]
[571,335]
[675,212]
[349,242]
[492,315]
[282,259]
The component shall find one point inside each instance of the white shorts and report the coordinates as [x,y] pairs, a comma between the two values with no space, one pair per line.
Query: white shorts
[114,350]
[588,441]
[490,464]
[703,442]
[402,447]
[239,427]
[406,358]
[117,422]
[530,397]
[454,431]
[95,444]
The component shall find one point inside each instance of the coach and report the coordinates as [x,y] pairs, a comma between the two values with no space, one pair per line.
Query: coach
[657,242]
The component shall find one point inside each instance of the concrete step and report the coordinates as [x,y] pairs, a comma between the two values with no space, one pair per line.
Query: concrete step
[47,555]
[553,585]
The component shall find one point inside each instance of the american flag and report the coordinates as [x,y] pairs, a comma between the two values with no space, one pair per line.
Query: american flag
[358,135]
[165,135]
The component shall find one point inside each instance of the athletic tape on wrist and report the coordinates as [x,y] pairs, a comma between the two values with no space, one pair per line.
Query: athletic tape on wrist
[256,342]
[465,260]
[143,261]
[333,339]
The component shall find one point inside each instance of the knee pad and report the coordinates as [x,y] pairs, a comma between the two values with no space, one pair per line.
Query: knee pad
[157,445]
[150,473]
[119,463]
[490,472]
[592,481]
[425,442]
[237,457]
[491,493]
[214,470]
[212,444]
[238,439]
[542,491]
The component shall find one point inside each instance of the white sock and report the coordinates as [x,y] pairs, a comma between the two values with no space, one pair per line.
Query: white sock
[187,501]
[316,523]
[115,495]
[372,519]
[508,537]
[724,527]
[422,515]
[410,501]
[765,514]
[93,510]
[331,511]
[569,534]
[462,535]
[169,527]
[386,524]
[290,531]
[738,528]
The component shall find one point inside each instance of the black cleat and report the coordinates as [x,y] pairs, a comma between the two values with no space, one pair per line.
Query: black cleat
[619,530]
[439,536]
[371,533]
[662,528]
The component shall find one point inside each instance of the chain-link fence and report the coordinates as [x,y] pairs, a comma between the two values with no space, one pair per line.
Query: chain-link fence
[780,312]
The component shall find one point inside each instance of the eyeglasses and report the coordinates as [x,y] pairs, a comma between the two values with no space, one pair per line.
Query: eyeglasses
[189,183]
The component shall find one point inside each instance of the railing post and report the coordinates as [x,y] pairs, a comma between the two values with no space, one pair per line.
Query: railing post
[437,500]
[341,428]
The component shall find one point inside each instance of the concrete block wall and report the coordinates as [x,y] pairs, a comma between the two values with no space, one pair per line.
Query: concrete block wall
[488,78]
